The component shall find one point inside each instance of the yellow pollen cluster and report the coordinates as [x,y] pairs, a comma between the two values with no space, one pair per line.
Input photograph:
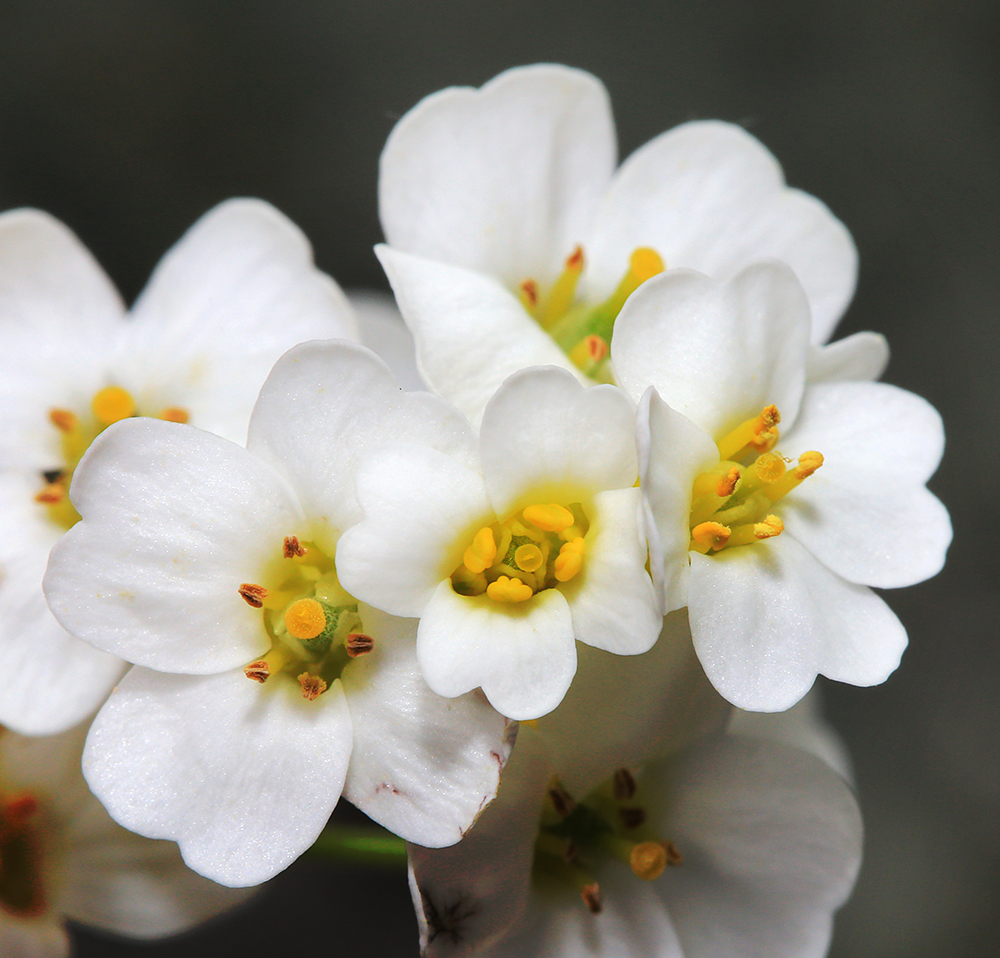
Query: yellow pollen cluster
[731,504]
[537,548]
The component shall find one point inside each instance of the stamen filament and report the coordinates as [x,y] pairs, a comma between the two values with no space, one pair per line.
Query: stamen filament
[809,462]
[262,669]
[759,433]
[563,291]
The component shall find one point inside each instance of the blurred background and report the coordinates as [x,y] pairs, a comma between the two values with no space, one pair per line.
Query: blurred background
[128,119]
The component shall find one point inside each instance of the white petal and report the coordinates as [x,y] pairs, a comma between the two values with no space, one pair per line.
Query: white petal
[423,766]
[479,888]
[384,332]
[771,840]
[325,406]
[175,520]
[672,452]
[716,353]
[503,180]
[421,509]
[242,776]
[623,709]
[236,291]
[710,197]
[766,618]
[470,332]
[545,435]
[865,514]
[521,654]
[862,356]
[612,599]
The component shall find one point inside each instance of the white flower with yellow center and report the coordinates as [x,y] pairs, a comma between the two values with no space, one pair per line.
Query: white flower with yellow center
[62,857]
[238,290]
[262,690]
[513,241]
[775,502]
[513,550]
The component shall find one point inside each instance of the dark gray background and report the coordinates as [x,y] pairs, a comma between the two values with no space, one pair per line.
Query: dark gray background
[128,119]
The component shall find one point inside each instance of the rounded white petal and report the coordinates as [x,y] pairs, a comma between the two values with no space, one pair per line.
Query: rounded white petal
[708,196]
[421,510]
[385,334]
[612,599]
[470,332]
[422,765]
[242,776]
[325,406]
[175,520]
[237,290]
[544,434]
[862,356]
[672,452]
[522,655]
[771,840]
[503,180]
[767,618]
[717,353]
[866,514]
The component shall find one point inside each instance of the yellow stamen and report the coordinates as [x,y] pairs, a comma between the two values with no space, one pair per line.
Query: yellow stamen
[769,527]
[570,560]
[589,353]
[727,484]
[305,619]
[528,294]
[112,404]
[63,420]
[759,433]
[528,557]
[175,414]
[52,494]
[563,290]
[809,462]
[709,536]
[480,555]
[551,517]
[648,860]
[506,589]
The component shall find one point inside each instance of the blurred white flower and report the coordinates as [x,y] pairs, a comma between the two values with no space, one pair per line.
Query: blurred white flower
[236,291]
[209,566]
[61,857]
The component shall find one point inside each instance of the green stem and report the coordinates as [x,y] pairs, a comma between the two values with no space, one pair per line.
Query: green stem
[369,846]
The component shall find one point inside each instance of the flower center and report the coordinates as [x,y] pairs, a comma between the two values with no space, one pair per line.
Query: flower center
[537,548]
[583,331]
[76,433]
[21,889]
[313,623]
[611,822]
[731,503]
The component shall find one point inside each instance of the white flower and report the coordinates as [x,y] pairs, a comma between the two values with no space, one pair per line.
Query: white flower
[235,292]
[61,857]
[514,549]
[486,197]
[773,558]
[209,565]
[727,849]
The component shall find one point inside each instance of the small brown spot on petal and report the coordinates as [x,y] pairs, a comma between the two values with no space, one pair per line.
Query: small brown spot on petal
[357,643]
[253,595]
[312,686]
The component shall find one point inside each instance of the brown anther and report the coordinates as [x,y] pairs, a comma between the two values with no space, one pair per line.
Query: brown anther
[357,643]
[54,492]
[253,595]
[529,290]
[561,800]
[292,548]
[674,857]
[575,259]
[63,419]
[591,895]
[623,785]
[312,686]
[175,414]
[727,484]
[597,347]
[259,671]
[19,809]
[632,817]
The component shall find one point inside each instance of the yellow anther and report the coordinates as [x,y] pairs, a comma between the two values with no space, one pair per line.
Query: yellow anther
[480,555]
[528,557]
[551,517]
[645,263]
[771,526]
[111,404]
[759,433]
[809,462]
[174,414]
[648,860]
[313,686]
[769,468]
[563,290]
[570,560]
[709,536]
[506,589]
[727,484]
[63,420]
[305,619]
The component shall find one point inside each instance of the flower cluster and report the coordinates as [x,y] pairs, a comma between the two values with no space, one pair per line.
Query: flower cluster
[509,616]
